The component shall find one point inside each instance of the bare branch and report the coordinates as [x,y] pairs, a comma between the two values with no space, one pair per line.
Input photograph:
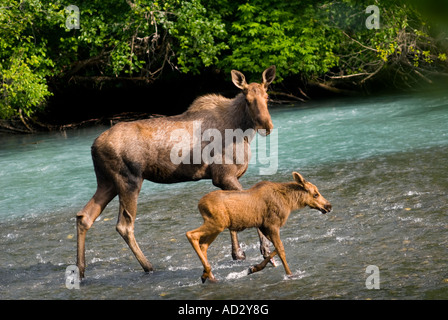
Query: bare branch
[372,74]
[364,46]
[350,75]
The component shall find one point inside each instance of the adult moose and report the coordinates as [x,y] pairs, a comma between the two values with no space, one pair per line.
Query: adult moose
[130,152]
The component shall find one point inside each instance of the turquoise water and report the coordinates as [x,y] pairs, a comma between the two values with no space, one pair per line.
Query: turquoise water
[381,162]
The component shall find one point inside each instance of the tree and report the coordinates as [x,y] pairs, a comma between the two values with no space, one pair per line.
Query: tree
[325,42]
[285,33]
[401,54]
[24,63]
[133,40]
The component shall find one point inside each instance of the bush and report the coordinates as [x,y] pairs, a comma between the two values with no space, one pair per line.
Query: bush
[138,39]
[287,34]
[24,64]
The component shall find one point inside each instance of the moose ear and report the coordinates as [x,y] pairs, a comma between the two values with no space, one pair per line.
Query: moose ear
[268,76]
[298,178]
[238,79]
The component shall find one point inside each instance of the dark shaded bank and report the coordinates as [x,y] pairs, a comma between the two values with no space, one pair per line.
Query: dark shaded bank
[81,103]
[87,102]
[75,102]
[78,103]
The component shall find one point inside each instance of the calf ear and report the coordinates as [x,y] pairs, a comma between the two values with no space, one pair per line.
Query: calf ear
[238,79]
[298,178]
[268,76]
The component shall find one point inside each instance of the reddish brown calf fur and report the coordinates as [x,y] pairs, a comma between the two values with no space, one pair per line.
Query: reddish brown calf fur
[266,206]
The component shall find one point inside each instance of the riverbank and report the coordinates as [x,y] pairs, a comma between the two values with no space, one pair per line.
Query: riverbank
[79,105]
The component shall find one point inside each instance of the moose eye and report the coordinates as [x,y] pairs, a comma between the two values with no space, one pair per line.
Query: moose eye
[316,195]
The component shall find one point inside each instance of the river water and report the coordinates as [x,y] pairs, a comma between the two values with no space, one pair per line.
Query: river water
[380,161]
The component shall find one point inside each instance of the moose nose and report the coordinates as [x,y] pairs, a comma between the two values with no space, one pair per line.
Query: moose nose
[265,131]
[269,128]
[328,207]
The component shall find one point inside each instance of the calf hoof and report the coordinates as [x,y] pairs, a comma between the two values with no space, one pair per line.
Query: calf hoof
[208,275]
[148,270]
[239,255]
[212,280]
[147,266]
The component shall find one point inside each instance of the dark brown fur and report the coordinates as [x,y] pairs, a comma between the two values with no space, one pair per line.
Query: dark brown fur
[128,153]
[266,206]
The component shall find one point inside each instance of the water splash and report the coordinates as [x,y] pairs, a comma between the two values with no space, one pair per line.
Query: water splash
[237,275]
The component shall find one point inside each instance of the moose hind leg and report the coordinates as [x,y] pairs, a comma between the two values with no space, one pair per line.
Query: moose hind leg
[200,239]
[264,247]
[263,264]
[125,226]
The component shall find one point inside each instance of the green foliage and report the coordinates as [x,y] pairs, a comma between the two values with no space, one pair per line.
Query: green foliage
[402,52]
[139,39]
[199,36]
[116,39]
[283,33]
[24,63]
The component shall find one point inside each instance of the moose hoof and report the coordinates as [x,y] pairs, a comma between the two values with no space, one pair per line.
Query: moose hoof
[147,267]
[212,280]
[239,255]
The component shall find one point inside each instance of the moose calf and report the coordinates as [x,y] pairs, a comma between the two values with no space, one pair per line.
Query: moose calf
[266,206]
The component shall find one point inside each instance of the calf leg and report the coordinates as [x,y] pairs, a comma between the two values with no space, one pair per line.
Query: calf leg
[274,235]
[263,264]
[87,216]
[237,252]
[264,247]
[200,239]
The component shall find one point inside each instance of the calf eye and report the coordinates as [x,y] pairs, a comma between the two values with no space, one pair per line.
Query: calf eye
[316,195]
